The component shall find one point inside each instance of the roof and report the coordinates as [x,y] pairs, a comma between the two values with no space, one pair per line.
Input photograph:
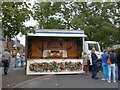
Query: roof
[58,33]
[91,41]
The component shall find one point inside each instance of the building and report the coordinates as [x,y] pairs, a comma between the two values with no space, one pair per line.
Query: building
[10,44]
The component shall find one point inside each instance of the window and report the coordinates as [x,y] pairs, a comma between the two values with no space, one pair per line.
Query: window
[90,46]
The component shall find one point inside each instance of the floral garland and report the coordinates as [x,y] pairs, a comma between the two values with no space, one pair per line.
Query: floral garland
[55,66]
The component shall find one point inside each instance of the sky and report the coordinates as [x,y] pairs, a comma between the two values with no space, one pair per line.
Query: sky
[32,22]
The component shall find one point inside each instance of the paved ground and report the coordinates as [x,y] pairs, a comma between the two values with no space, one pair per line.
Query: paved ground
[67,81]
[15,76]
[0,78]
[17,79]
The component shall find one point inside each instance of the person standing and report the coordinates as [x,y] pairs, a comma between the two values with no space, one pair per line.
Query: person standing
[14,52]
[118,64]
[94,64]
[15,56]
[21,57]
[111,67]
[6,57]
[86,63]
[105,65]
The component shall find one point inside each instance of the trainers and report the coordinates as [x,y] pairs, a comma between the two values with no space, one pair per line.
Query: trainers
[103,79]
[109,81]
[114,81]
[106,79]
[96,78]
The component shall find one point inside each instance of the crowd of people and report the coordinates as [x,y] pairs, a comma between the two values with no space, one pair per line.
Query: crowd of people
[109,69]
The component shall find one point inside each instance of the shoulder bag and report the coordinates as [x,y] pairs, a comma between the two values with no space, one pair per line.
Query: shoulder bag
[108,60]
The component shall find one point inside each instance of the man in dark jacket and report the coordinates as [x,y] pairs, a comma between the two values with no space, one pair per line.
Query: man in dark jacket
[94,64]
[118,63]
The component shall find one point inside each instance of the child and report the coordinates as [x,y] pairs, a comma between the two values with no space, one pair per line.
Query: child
[86,63]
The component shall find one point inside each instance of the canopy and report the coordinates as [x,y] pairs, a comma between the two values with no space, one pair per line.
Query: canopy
[58,33]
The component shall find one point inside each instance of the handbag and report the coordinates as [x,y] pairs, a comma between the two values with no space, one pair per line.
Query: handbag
[109,61]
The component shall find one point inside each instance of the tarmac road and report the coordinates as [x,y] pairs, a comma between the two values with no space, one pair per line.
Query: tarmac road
[16,78]
[67,81]
[0,78]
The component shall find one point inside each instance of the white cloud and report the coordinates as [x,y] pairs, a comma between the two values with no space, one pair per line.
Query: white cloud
[21,38]
[32,22]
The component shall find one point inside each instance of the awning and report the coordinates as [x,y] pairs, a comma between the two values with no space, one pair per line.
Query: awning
[58,33]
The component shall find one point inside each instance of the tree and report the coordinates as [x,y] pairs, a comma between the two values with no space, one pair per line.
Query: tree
[14,14]
[0,21]
[46,15]
[116,21]
[99,20]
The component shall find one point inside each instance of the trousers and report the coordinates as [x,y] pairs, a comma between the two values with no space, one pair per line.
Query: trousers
[118,71]
[105,70]
[94,70]
[6,66]
[111,70]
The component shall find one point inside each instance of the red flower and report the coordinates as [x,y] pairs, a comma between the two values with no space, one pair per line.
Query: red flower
[66,63]
[46,67]
[61,67]
[72,67]
[31,67]
[54,63]
[40,64]
[78,63]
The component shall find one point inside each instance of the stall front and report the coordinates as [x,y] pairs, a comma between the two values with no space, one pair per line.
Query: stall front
[54,52]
